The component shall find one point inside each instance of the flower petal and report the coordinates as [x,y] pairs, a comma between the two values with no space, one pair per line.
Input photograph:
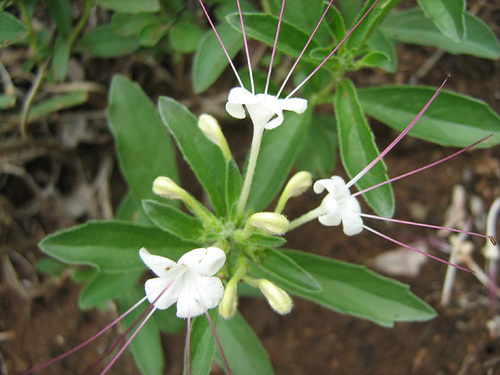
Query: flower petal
[210,291]
[352,224]
[155,287]
[298,105]
[203,261]
[236,110]
[158,264]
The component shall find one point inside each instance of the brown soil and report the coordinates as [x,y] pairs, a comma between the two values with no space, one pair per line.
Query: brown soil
[39,317]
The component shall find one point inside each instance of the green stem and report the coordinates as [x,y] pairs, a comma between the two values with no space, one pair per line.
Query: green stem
[307,217]
[258,131]
[83,20]
[31,96]
[266,6]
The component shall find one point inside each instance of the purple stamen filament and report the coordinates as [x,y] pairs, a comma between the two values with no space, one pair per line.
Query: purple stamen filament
[331,53]
[414,249]
[398,138]
[274,47]
[422,168]
[246,47]
[224,359]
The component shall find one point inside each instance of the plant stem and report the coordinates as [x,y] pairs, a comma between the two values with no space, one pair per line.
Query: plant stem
[307,217]
[258,131]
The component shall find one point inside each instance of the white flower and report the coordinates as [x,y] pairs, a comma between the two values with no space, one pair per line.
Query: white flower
[266,111]
[339,206]
[190,282]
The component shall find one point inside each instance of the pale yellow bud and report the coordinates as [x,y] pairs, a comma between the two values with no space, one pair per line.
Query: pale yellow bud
[229,303]
[299,184]
[278,299]
[210,127]
[296,186]
[167,188]
[271,222]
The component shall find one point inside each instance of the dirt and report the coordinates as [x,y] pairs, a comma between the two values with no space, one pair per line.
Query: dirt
[39,316]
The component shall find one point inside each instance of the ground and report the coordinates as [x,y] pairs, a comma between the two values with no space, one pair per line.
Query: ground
[39,317]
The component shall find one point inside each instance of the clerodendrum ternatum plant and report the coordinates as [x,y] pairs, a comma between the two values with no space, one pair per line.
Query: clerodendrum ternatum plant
[236,241]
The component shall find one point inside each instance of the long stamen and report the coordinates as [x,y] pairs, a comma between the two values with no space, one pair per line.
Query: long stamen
[246,47]
[222,44]
[398,138]
[491,238]
[422,168]
[224,359]
[115,358]
[274,47]
[85,343]
[415,249]
[120,339]
[331,53]
[302,53]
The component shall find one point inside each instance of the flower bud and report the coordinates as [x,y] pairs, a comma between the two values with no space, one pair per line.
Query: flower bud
[167,188]
[278,299]
[271,222]
[298,184]
[210,127]
[229,303]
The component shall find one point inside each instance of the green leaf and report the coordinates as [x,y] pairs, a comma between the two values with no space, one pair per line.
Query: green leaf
[265,240]
[60,61]
[112,246]
[7,101]
[263,28]
[370,22]
[451,120]
[205,158]
[106,286]
[305,15]
[130,210]
[358,149]
[131,6]
[210,60]
[354,290]
[51,266]
[57,103]
[379,42]
[185,37]
[372,60]
[244,351]
[144,148]
[202,344]
[103,41]
[279,268]
[447,15]
[168,321]
[350,9]
[278,152]
[131,25]
[12,30]
[60,13]
[318,153]
[151,35]
[146,347]
[413,27]
[172,220]
[335,24]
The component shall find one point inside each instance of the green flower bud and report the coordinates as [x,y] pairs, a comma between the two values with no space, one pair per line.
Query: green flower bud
[167,188]
[271,222]
[278,299]
[210,127]
[229,303]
